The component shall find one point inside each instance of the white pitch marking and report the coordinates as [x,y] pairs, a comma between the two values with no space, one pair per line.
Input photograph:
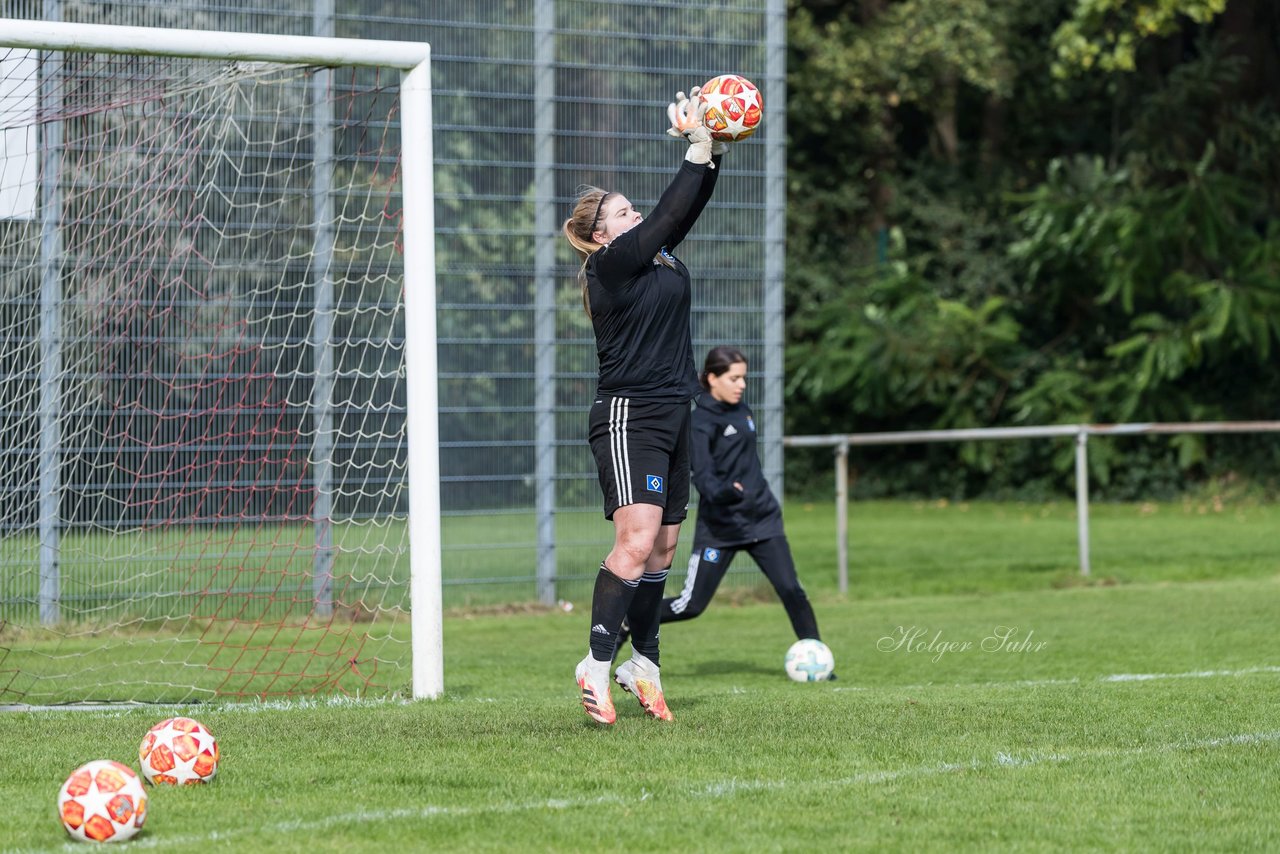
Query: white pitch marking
[109,710]
[1195,674]
[1075,680]
[728,788]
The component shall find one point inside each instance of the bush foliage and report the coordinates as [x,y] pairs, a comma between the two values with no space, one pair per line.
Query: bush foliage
[1019,214]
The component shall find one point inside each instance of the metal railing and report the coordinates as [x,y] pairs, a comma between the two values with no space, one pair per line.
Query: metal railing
[1081,432]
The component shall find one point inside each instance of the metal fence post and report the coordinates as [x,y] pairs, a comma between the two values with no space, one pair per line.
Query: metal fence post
[842,515]
[1082,497]
[545,284]
[325,307]
[51,340]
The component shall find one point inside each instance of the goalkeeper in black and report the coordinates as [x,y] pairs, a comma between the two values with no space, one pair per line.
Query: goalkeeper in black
[639,297]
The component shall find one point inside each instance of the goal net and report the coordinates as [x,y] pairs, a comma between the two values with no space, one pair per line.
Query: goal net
[204,394]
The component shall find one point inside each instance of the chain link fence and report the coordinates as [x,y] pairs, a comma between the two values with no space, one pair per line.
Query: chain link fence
[531,100]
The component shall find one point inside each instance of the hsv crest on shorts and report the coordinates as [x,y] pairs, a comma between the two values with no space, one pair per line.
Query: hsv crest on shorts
[653,482]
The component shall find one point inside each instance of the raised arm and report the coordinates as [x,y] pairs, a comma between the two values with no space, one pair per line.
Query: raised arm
[675,213]
[704,195]
[681,203]
[687,117]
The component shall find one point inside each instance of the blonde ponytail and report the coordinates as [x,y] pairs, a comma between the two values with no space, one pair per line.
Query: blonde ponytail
[578,229]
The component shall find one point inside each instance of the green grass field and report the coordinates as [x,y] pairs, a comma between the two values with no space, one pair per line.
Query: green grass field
[989,699]
[897,548]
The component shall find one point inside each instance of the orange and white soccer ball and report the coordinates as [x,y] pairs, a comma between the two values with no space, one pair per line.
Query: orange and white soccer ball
[102,801]
[735,107]
[178,751]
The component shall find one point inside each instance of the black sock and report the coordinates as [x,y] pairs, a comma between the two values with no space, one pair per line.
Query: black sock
[803,622]
[645,613]
[609,605]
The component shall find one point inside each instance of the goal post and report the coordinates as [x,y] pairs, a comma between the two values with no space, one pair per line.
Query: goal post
[218,379]
[423,403]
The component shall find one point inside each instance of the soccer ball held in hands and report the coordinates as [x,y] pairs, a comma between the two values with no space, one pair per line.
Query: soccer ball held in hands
[735,107]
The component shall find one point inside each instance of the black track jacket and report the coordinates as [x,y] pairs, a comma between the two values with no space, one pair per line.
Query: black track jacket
[640,308]
[723,450]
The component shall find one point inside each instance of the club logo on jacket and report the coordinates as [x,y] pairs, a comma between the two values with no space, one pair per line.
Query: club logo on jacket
[751,423]
[711,555]
[731,430]
[653,483]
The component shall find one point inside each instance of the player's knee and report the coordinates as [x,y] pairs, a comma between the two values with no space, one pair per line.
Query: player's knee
[662,555]
[630,553]
[793,595]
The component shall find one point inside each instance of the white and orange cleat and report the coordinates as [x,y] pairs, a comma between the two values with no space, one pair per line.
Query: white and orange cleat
[593,680]
[639,676]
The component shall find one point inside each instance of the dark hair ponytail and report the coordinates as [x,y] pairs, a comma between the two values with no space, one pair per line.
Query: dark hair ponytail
[718,361]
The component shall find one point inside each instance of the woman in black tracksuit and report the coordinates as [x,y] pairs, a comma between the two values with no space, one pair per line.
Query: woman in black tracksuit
[736,509]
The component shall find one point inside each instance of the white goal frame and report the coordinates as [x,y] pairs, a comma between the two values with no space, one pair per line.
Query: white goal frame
[413,59]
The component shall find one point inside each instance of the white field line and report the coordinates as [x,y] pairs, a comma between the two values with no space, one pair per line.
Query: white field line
[712,791]
[112,710]
[1074,680]
[1196,674]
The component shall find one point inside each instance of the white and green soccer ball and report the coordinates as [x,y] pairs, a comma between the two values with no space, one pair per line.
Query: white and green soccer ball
[809,660]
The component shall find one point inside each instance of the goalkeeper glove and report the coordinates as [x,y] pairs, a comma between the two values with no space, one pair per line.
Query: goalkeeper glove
[686,116]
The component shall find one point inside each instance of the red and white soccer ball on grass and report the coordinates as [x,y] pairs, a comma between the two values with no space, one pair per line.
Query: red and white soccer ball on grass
[178,751]
[102,801]
[105,801]
[735,107]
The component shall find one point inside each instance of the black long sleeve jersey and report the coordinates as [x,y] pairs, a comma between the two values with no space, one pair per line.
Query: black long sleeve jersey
[639,307]
[722,451]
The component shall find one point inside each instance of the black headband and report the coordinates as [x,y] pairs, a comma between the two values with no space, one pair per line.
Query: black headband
[596,219]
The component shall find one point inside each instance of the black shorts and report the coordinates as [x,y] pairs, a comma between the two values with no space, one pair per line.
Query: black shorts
[642,453]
